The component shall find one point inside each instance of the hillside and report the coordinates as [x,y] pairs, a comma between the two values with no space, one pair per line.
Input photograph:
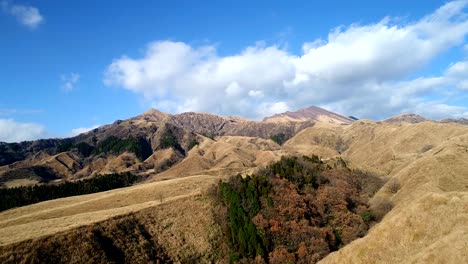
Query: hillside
[423,164]
[145,144]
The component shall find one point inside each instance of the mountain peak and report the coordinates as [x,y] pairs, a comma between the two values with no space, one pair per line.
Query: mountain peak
[153,115]
[152,111]
[311,113]
[406,117]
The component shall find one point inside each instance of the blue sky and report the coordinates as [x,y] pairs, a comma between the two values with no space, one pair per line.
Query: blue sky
[72,65]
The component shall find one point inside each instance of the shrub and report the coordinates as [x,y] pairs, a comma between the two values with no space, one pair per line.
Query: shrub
[393,185]
[380,207]
[192,144]
[370,182]
[341,146]
[367,216]
[426,148]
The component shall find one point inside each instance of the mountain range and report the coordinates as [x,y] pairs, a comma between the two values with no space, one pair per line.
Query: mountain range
[178,157]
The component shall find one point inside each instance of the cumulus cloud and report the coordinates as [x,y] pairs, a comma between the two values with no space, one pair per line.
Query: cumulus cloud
[28,16]
[361,70]
[69,81]
[12,131]
[80,130]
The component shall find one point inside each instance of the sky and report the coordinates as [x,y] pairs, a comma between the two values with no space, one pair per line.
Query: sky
[70,66]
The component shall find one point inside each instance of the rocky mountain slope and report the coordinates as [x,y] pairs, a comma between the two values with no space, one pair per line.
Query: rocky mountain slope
[151,142]
[311,113]
[424,166]
[413,118]
[409,118]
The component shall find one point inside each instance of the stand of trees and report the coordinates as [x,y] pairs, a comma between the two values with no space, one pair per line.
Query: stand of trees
[112,145]
[169,140]
[279,138]
[296,210]
[139,146]
[20,196]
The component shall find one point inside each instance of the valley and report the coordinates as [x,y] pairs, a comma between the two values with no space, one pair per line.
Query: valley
[422,166]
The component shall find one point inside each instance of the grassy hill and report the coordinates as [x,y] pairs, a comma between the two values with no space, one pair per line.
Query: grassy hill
[424,166]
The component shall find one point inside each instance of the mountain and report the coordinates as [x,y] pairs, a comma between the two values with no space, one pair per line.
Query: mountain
[179,158]
[312,113]
[414,118]
[409,118]
[462,121]
[149,142]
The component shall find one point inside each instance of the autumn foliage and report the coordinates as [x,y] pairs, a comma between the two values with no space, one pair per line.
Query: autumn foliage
[296,210]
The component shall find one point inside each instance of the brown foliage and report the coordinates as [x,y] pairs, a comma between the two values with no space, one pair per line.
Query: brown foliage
[311,209]
[280,255]
[302,219]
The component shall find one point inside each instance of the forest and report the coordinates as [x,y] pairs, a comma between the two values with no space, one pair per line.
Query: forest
[139,146]
[296,210]
[110,145]
[24,195]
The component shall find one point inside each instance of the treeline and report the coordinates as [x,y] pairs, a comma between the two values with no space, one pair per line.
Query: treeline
[296,210]
[139,146]
[20,196]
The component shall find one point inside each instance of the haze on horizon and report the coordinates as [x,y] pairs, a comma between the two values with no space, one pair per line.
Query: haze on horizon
[70,67]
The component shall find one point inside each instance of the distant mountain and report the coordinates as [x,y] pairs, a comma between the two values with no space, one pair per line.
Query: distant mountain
[312,113]
[408,118]
[177,159]
[414,119]
[462,121]
[151,141]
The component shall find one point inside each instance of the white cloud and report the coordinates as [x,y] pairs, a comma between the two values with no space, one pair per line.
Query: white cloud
[69,81]
[233,90]
[12,131]
[268,109]
[28,16]
[361,69]
[256,93]
[457,73]
[459,69]
[438,110]
[80,130]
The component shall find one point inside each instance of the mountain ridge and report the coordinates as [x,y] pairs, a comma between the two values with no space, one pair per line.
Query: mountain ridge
[311,113]
[427,161]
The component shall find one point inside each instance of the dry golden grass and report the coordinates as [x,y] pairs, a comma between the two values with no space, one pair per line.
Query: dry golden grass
[181,230]
[225,156]
[321,139]
[54,216]
[20,182]
[427,224]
